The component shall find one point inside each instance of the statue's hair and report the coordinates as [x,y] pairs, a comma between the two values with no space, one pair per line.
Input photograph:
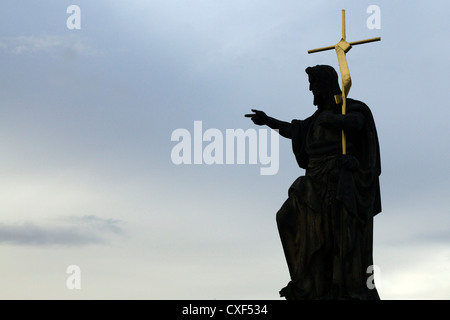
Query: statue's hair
[327,78]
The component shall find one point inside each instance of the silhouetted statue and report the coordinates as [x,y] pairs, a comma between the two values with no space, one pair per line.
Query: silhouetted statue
[326,224]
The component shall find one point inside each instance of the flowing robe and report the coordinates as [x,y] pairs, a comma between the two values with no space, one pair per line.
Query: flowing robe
[326,224]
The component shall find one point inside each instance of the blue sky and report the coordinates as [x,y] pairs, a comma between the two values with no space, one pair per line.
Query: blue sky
[86,123]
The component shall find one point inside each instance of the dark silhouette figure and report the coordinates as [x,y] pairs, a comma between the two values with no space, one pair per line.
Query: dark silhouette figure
[326,224]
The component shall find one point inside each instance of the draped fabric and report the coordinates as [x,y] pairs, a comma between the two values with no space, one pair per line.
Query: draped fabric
[326,224]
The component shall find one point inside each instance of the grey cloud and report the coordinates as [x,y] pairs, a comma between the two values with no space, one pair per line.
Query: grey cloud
[435,237]
[105,225]
[71,45]
[71,231]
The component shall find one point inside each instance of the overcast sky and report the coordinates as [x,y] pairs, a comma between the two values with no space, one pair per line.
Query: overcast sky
[87,115]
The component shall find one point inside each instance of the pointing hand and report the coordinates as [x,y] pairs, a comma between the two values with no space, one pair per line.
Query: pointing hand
[258,117]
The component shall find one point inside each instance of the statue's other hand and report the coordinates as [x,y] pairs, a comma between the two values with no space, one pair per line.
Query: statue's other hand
[258,117]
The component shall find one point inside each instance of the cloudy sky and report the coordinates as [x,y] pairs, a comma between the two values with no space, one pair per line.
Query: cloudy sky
[87,116]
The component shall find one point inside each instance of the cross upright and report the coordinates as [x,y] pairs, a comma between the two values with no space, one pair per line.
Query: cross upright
[342,47]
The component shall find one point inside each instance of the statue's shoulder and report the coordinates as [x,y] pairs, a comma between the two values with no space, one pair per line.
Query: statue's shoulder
[354,105]
[357,104]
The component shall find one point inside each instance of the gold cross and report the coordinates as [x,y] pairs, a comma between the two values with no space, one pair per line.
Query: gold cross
[342,47]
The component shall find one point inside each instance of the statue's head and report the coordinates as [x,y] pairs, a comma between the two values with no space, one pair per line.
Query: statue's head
[324,84]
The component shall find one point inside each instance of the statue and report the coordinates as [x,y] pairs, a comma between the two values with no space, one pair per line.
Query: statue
[326,224]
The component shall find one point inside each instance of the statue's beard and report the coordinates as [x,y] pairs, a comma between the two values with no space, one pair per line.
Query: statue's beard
[322,101]
[318,99]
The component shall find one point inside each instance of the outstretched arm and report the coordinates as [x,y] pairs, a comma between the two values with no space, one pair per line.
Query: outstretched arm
[260,118]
